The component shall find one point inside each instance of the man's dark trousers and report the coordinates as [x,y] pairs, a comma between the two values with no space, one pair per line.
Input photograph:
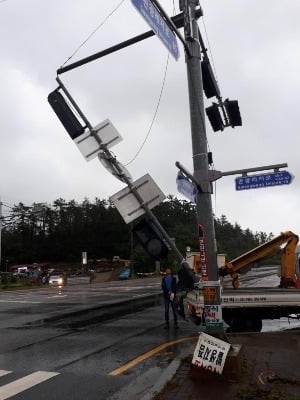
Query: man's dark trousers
[167,307]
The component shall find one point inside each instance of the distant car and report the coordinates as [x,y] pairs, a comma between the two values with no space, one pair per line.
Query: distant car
[125,274]
[57,280]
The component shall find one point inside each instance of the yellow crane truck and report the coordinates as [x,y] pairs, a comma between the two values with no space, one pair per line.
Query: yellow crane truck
[244,309]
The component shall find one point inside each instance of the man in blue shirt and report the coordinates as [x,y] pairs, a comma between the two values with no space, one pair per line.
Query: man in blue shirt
[168,285]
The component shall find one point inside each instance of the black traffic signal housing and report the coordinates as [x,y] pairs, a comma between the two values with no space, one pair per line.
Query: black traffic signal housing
[233,112]
[210,86]
[214,116]
[65,114]
[147,235]
[185,279]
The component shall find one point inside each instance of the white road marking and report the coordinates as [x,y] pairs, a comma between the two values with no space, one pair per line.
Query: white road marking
[20,301]
[3,372]
[19,385]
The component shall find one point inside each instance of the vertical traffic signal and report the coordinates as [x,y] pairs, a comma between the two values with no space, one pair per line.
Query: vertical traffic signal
[65,114]
[210,85]
[147,235]
[233,112]
[214,116]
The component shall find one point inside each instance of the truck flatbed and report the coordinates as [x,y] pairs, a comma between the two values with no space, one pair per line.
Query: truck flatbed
[245,308]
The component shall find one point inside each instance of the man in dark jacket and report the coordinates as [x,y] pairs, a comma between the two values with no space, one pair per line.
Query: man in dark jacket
[168,285]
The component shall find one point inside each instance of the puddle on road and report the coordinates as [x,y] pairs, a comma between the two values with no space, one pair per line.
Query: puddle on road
[280,325]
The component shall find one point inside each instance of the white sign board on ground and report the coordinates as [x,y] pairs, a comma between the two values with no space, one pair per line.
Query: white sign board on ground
[88,144]
[129,207]
[210,353]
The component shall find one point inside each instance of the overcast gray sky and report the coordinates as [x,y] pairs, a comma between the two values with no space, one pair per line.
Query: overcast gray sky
[256,53]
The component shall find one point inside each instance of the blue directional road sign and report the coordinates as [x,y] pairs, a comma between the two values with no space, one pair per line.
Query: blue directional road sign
[158,24]
[185,187]
[263,180]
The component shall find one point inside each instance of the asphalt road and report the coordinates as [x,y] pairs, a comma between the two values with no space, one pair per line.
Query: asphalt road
[43,355]
[76,342]
[28,306]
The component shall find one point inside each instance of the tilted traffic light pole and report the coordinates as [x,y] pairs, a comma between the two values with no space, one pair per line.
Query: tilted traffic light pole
[202,177]
[74,128]
[207,241]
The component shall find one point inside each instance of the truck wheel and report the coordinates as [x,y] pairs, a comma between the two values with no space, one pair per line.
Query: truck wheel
[252,324]
[196,320]
[234,324]
[243,323]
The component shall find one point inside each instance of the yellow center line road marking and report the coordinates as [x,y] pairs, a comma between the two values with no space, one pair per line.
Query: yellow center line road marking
[3,372]
[150,353]
[19,385]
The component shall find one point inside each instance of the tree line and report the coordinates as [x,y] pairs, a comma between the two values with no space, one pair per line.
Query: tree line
[60,232]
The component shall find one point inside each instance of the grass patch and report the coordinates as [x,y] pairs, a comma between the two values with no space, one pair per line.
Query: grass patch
[252,392]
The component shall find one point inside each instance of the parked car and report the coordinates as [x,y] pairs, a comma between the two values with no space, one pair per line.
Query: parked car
[57,280]
[125,274]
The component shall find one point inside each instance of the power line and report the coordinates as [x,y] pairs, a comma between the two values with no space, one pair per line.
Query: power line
[94,31]
[157,106]
[209,47]
[154,116]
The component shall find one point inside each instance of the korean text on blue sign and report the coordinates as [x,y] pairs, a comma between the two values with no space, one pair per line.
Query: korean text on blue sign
[186,187]
[153,17]
[263,180]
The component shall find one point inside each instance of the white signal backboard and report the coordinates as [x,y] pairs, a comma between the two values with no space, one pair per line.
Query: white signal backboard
[88,144]
[127,204]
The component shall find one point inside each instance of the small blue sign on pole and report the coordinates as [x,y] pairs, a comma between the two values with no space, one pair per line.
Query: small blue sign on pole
[185,187]
[263,180]
[158,24]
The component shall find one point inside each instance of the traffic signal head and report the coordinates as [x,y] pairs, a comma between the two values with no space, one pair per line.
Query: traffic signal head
[214,116]
[147,235]
[185,279]
[210,85]
[65,114]
[233,112]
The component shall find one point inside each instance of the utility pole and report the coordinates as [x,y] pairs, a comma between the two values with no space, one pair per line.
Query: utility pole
[207,242]
[0,233]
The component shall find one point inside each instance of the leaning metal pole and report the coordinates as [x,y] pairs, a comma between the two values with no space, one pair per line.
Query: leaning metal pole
[207,242]
[0,234]
[112,160]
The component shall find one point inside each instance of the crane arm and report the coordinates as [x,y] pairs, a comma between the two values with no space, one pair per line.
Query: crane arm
[234,266]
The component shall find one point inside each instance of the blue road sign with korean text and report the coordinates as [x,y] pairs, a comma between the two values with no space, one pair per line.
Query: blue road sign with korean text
[158,24]
[263,180]
[185,187]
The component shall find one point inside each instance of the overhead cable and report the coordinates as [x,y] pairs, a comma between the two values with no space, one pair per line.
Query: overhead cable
[157,106]
[93,32]
[209,47]
[154,116]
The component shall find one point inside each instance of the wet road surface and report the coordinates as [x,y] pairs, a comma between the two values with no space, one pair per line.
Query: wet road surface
[43,355]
